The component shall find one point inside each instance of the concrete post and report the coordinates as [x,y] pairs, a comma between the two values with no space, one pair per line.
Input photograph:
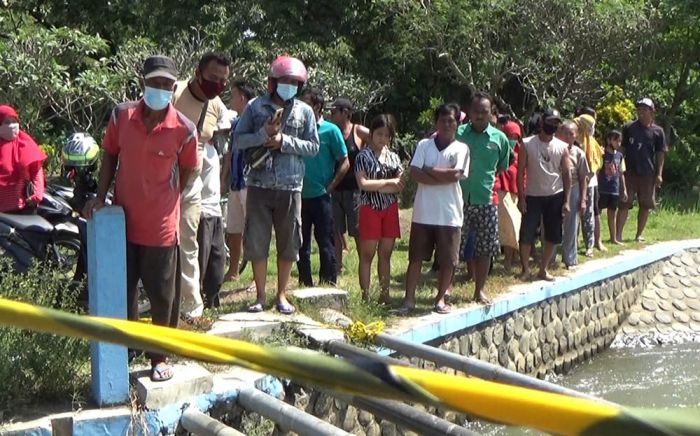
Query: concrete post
[107,297]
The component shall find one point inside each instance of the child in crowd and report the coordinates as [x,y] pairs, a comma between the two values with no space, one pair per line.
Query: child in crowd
[612,184]
[378,171]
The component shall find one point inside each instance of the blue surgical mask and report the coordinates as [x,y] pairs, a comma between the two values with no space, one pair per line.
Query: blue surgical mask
[286,92]
[157,99]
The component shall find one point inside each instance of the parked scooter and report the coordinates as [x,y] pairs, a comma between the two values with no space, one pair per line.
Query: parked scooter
[28,238]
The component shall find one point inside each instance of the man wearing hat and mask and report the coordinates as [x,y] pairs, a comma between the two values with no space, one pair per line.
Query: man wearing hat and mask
[156,148]
[276,131]
[544,160]
[198,99]
[644,147]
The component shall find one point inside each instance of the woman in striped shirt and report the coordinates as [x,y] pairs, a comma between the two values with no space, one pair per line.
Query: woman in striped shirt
[378,171]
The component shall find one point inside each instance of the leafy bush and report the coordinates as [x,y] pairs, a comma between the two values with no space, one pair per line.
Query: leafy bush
[37,367]
[613,111]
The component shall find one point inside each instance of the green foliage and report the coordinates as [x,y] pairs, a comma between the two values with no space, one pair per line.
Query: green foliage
[38,367]
[613,111]
[65,64]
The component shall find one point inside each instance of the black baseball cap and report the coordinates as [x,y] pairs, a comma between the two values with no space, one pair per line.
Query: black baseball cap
[342,103]
[551,113]
[159,66]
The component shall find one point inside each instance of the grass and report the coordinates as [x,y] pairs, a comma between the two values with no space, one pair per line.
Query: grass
[677,217]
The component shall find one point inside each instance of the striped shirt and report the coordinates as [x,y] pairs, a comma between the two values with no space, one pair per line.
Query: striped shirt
[388,168]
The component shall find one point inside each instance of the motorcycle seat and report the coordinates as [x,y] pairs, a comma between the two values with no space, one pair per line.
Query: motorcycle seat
[33,223]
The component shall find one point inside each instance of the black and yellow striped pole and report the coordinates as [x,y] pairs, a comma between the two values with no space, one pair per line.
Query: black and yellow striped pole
[553,413]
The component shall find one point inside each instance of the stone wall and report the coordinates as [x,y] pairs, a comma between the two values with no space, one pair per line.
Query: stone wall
[318,403]
[554,334]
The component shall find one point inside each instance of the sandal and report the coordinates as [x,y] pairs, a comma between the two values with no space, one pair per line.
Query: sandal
[285,308]
[442,309]
[256,308]
[161,372]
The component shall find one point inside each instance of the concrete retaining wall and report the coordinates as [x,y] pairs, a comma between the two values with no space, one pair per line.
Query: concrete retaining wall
[556,333]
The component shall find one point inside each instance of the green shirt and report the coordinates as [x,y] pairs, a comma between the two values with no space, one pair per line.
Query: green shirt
[320,168]
[489,152]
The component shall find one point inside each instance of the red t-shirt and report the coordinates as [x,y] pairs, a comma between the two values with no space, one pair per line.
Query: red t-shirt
[148,177]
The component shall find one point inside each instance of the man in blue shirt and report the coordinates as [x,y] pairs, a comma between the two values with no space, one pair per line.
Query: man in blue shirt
[323,173]
[276,131]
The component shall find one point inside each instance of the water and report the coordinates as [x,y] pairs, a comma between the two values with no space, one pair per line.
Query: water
[659,377]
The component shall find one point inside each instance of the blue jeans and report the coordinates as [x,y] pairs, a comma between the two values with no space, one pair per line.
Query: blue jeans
[317,212]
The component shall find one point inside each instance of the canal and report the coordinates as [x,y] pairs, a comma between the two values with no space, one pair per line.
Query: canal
[665,376]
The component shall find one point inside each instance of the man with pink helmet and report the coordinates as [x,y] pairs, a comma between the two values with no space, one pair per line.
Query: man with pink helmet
[275,132]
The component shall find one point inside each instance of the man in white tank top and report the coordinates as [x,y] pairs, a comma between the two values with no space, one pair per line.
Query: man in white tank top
[544,160]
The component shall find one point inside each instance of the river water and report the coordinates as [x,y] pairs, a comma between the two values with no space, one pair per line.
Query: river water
[660,377]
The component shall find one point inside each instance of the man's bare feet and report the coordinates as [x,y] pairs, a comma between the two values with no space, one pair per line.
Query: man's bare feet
[589,252]
[384,298]
[365,296]
[525,276]
[601,247]
[231,276]
[616,242]
[544,275]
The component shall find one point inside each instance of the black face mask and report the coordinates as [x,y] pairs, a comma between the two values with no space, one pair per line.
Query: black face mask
[549,129]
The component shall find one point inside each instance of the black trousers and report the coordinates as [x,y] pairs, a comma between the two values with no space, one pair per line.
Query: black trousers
[212,258]
[158,268]
[317,213]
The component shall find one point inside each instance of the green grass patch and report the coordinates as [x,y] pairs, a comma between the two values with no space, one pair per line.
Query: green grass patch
[677,217]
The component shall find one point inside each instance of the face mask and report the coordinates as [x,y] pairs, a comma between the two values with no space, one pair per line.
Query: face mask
[549,129]
[9,132]
[210,88]
[157,99]
[286,92]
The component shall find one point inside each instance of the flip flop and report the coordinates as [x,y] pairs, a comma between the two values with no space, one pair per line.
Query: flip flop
[442,309]
[256,308]
[285,308]
[161,372]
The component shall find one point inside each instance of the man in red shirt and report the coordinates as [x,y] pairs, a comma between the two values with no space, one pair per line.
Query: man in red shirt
[156,148]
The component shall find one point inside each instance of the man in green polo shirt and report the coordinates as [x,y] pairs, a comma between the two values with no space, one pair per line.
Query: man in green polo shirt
[489,151]
[323,173]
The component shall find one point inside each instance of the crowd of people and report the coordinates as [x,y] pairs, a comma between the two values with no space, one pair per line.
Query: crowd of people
[484,187]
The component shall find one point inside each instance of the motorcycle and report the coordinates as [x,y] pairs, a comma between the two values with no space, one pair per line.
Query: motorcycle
[25,239]
[54,235]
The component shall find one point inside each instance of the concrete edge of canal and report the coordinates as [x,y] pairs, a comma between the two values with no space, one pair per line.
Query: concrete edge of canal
[535,329]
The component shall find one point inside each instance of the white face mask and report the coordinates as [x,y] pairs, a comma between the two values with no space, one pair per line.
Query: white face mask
[9,132]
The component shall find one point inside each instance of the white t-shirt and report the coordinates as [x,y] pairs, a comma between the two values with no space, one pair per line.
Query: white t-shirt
[440,205]
[211,182]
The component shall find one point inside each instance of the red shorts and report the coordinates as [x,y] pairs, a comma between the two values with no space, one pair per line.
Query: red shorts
[378,224]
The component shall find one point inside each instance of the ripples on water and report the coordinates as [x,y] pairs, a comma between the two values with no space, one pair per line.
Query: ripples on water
[660,377]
